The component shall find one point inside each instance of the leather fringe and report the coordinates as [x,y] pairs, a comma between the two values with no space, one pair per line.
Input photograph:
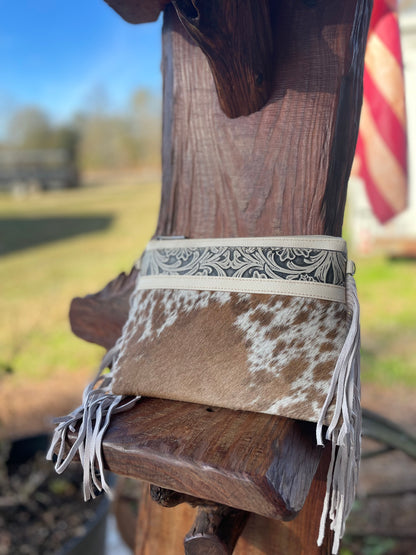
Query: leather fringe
[90,421]
[345,428]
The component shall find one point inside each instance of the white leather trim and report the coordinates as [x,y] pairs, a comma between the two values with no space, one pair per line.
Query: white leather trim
[325,242]
[245,285]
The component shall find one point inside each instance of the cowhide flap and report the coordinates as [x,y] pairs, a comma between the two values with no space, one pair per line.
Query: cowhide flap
[265,353]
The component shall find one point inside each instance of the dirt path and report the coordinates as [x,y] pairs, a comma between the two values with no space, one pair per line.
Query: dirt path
[29,408]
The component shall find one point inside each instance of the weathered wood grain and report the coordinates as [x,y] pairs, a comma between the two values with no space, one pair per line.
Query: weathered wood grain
[299,536]
[237,40]
[284,169]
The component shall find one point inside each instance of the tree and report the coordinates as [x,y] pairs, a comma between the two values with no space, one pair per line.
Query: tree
[29,128]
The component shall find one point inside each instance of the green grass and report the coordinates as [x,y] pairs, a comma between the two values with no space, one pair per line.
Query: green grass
[44,264]
[387,292]
[59,245]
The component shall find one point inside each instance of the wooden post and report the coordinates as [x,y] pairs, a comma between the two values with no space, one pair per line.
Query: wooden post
[280,171]
[284,169]
[231,169]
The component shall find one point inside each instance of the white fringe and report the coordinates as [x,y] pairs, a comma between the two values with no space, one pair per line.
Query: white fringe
[345,428]
[93,418]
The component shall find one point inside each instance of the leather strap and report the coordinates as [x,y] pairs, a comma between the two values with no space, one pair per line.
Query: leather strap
[245,285]
[325,242]
[311,266]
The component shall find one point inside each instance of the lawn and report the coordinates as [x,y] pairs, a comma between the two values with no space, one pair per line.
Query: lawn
[387,292]
[56,246]
[59,245]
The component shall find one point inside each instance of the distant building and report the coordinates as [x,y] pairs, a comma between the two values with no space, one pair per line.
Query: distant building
[46,169]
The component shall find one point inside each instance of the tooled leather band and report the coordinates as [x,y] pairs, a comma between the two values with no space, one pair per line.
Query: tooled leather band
[305,266]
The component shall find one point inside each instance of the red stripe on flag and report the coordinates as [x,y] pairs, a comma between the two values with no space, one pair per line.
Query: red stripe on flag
[387,30]
[381,208]
[386,121]
[380,9]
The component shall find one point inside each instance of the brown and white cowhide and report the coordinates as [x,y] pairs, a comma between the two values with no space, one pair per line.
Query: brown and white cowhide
[265,353]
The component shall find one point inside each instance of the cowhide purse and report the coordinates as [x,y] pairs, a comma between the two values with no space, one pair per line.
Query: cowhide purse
[260,324]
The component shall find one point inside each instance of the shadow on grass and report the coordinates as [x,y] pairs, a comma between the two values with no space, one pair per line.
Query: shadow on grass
[22,233]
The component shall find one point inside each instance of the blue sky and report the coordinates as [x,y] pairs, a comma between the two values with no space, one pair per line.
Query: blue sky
[57,54]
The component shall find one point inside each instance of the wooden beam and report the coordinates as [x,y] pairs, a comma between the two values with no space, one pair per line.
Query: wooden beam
[138,11]
[230,457]
[99,318]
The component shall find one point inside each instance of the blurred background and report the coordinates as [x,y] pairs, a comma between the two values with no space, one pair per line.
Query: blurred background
[80,128]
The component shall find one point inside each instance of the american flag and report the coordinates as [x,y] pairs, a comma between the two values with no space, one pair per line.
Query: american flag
[381,154]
